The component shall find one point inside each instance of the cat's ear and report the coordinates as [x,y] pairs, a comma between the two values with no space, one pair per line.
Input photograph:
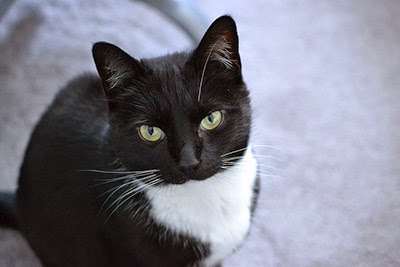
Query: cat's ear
[219,47]
[115,67]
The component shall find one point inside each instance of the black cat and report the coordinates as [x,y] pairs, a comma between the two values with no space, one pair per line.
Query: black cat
[148,165]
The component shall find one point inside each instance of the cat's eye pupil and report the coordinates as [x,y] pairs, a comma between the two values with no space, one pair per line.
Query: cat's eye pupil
[211,121]
[151,133]
[150,130]
[210,118]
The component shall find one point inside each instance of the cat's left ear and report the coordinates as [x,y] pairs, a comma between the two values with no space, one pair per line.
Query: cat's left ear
[116,68]
[219,47]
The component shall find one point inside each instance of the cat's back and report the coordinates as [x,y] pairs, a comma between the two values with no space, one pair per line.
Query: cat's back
[78,112]
[52,191]
[74,124]
[81,103]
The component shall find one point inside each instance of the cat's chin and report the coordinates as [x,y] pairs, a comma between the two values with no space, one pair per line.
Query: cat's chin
[178,181]
[198,178]
[183,179]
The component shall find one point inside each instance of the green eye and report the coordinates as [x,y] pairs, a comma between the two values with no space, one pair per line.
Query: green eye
[211,121]
[151,133]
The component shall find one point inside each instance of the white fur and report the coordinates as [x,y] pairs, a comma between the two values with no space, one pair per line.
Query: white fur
[221,51]
[117,74]
[215,211]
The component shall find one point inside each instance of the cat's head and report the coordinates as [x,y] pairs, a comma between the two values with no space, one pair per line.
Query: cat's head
[180,113]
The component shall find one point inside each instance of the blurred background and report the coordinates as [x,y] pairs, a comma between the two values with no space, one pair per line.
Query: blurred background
[324,78]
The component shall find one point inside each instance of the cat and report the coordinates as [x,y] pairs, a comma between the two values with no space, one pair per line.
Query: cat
[147,163]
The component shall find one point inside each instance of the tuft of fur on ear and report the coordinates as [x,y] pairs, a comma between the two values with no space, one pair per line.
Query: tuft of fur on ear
[220,45]
[115,67]
[116,74]
[221,52]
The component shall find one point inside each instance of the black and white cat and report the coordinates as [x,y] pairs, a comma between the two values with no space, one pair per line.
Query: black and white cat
[147,165]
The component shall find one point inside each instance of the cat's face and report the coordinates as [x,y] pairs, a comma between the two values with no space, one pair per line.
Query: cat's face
[180,113]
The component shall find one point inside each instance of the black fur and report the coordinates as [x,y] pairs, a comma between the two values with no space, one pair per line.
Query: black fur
[8,216]
[93,124]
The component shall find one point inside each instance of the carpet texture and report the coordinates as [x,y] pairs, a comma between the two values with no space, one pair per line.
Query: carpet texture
[325,86]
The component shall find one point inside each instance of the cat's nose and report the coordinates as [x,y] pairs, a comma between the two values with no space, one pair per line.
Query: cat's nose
[188,162]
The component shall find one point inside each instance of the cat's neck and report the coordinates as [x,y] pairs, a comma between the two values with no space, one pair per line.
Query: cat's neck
[215,211]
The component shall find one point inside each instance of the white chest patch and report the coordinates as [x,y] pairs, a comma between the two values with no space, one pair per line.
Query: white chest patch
[215,211]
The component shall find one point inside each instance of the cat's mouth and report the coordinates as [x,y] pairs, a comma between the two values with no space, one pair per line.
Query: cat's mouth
[182,177]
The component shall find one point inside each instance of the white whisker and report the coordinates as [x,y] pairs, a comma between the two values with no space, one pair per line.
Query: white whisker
[252,145]
[109,197]
[264,173]
[131,194]
[259,156]
[134,189]
[137,177]
[232,164]
[270,175]
[234,151]
[116,172]
[123,185]
[266,156]
[268,167]
[267,146]
[134,177]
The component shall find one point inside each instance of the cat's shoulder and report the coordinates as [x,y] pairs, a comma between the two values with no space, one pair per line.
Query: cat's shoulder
[83,95]
[80,104]
[82,87]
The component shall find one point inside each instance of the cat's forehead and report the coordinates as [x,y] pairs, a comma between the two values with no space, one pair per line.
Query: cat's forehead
[174,61]
[166,93]
[182,82]
[172,82]
[172,89]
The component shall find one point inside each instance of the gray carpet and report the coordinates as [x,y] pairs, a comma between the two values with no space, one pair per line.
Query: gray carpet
[325,84]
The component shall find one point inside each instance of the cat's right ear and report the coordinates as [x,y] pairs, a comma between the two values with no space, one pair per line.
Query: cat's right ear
[116,68]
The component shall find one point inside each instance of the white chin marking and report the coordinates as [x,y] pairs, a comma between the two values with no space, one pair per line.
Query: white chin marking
[215,211]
